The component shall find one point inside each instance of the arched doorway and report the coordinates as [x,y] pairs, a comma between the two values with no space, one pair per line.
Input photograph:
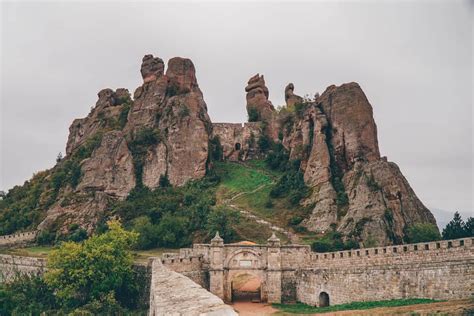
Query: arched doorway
[237,146]
[323,299]
[246,287]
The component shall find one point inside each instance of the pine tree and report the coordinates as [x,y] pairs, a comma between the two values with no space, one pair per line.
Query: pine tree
[455,228]
[469,227]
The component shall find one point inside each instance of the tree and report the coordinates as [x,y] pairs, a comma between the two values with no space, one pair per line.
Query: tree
[423,232]
[98,268]
[221,220]
[455,228]
[59,157]
[26,294]
[469,227]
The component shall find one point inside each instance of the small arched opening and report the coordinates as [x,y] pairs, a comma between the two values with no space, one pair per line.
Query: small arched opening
[323,299]
[237,146]
[246,287]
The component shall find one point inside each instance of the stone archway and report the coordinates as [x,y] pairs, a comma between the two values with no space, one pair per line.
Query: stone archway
[323,299]
[246,286]
[237,146]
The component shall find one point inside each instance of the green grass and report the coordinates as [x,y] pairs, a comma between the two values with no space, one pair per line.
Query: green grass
[236,178]
[300,308]
[43,251]
[35,251]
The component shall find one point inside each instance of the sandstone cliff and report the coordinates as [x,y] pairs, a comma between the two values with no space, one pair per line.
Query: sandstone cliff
[335,136]
[162,133]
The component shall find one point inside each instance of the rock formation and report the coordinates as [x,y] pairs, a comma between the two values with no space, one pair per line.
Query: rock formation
[352,186]
[259,107]
[290,98]
[165,131]
[121,144]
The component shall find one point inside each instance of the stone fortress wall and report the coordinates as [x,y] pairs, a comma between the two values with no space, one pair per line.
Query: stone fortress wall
[237,138]
[18,239]
[435,270]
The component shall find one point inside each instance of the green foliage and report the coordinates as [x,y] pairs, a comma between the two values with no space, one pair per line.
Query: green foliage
[456,228]
[82,273]
[123,116]
[264,143]
[333,241]
[372,183]
[45,237]
[141,141]
[300,308]
[223,220]
[253,115]
[215,149]
[423,232]
[163,181]
[26,295]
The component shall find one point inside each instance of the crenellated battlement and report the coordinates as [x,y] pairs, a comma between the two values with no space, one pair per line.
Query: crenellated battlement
[18,239]
[418,251]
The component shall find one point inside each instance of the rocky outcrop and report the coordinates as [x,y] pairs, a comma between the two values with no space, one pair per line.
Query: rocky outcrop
[104,116]
[290,98]
[365,196]
[110,169]
[109,143]
[259,107]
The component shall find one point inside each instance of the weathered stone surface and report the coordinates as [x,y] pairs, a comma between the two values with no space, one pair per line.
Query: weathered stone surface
[174,294]
[110,169]
[156,165]
[106,110]
[353,129]
[290,98]
[152,68]
[239,141]
[257,98]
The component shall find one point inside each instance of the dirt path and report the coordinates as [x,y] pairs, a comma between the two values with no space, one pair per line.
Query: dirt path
[253,309]
[292,237]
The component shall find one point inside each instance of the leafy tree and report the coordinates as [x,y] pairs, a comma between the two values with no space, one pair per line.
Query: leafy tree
[173,231]
[59,157]
[101,266]
[164,182]
[26,294]
[222,220]
[423,232]
[455,228]
[147,232]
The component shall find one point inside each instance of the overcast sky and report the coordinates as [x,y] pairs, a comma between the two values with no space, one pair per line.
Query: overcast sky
[412,59]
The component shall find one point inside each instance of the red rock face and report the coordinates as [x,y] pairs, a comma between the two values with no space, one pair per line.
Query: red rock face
[257,99]
[380,202]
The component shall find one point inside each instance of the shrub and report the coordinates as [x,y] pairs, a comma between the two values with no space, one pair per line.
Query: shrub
[253,115]
[26,294]
[215,149]
[163,181]
[423,232]
[223,220]
[108,270]
[264,143]
[45,237]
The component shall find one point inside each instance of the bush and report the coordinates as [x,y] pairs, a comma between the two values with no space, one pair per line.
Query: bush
[332,241]
[164,182]
[222,220]
[78,282]
[253,115]
[26,295]
[216,152]
[45,237]
[422,233]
